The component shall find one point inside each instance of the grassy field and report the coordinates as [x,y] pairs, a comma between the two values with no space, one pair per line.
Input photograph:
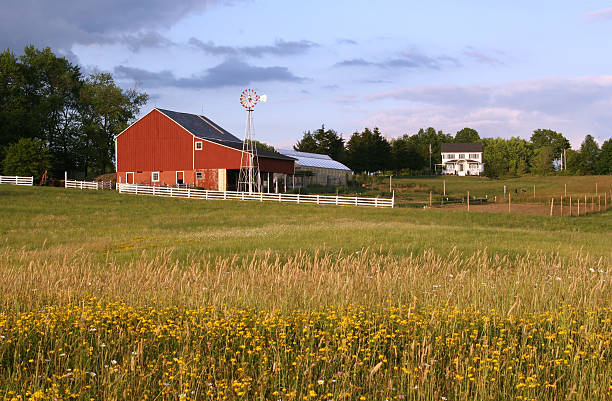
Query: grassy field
[108,296]
[411,191]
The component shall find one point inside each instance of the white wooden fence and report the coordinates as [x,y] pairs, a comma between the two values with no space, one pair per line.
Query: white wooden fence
[16,180]
[81,184]
[257,196]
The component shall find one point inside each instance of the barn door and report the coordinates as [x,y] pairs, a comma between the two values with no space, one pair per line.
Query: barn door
[129,178]
[180,177]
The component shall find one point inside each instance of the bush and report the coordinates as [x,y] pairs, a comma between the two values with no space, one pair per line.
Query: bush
[27,157]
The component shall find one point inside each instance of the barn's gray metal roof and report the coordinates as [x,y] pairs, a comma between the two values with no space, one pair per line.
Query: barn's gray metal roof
[305,159]
[200,126]
[462,147]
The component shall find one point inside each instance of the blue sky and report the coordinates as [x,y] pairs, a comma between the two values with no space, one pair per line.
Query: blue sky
[504,68]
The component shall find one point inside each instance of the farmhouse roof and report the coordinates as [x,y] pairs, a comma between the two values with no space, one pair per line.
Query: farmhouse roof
[462,147]
[314,160]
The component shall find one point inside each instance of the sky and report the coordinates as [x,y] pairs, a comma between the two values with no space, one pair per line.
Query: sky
[504,68]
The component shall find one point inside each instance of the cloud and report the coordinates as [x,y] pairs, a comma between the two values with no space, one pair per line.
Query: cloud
[345,41]
[149,39]
[279,48]
[574,106]
[229,73]
[600,14]
[63,23]
[482,57]
[410,59]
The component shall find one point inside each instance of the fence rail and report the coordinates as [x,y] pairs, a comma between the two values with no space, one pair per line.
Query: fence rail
[15,180]
[257,196]
[81,184]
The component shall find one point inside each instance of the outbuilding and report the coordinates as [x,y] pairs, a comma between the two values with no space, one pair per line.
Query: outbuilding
[317,169]
[172,148]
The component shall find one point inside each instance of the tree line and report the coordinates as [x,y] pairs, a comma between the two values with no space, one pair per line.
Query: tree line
[546,152]
[53,117]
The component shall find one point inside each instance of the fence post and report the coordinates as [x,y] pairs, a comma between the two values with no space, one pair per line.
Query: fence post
[298,199]
[188,192]
[552,204]
[534,193]
[261,196]
[599,203]
[279,197]
[468,200]
[136,186]
[570,205]
[206,194]
[578,211]
[561,206]
[509,200]
[431,197]
[317,199]
[336,199]
[81,184]
[376,202]
[153,190]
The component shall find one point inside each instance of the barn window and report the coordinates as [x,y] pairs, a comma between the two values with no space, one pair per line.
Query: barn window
[155,176]
[199,174]
[198,145]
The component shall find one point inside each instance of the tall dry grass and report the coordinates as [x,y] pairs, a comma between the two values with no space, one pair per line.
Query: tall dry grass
[509,284]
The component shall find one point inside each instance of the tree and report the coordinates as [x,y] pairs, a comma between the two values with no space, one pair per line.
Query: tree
[368,151]
[574,162]
[604,162]
[307,144]
[404,155]
[427,139]
[542,161]
[552,139]
[27,157]
[39,92]
[589,153]
[106,110]
[494,157]
[322,141]
[263,145]
[467,135]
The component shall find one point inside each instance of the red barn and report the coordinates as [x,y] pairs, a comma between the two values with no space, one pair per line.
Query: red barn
[167,147]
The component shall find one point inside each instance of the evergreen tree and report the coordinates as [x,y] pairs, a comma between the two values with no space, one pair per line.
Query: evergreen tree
[368,151]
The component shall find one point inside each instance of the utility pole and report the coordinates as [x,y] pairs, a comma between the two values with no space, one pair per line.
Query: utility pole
[430,169]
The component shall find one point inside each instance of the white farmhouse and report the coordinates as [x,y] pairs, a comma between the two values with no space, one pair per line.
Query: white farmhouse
[462,158]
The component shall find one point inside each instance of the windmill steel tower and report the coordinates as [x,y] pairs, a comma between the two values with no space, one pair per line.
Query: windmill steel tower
[249,179]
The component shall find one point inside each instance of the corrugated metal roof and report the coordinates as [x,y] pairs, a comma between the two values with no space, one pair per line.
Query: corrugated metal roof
[260,152]
[305,159]
[462,147]
[200,126]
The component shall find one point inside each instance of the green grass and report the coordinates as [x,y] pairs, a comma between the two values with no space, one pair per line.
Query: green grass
[416,189]
[110,296]
[101,223]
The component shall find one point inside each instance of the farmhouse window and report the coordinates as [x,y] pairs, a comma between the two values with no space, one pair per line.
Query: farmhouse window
[473,165]
[155,176]
[462,155]
[199,174]
[450,156]
[474,156]
[198,145]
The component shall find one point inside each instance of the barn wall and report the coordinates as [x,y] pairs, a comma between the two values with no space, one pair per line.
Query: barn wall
[216,156]
[276,165]
[155,143]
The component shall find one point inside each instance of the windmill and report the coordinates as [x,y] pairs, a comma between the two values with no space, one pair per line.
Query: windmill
[249,179]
